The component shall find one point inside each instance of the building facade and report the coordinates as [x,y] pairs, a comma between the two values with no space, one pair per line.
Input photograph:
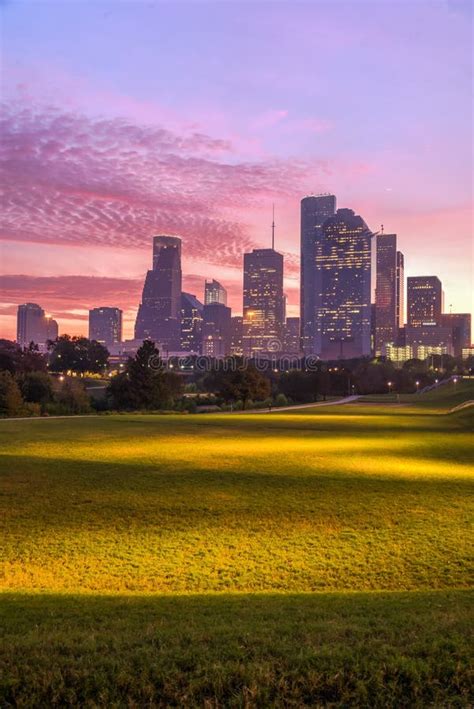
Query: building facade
[343,311]
[315,209]
[216,330]
[159,313]
[237,336]
[105,325]
[191,323]
[385,291]
[292,338]
[34,326]
[460,326]
[424,301]
[263,302]
[214,292]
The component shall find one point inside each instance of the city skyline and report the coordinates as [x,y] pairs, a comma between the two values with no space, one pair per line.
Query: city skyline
[93,170]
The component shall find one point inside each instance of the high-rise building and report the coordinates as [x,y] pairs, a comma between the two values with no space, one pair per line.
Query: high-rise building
[429,336]
[424,301]
[400,290]
[237,336]
[460,325]
[191,323]
[263,302]
[34,326]
[214,292]
[216,330]
[343,313]
[105,325]
[292,338]
[159,314]
[388,291]
[315,209]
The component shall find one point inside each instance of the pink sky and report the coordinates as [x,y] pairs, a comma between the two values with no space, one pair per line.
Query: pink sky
[201,125]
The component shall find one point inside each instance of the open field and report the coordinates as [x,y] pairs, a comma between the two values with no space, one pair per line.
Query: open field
[175,559]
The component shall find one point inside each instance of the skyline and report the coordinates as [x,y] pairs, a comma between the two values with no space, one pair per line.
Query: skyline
[106,148]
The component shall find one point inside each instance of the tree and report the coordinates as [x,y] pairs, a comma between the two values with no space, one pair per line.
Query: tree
[77,354]
[238,384]
[145,384]
[11,402]
[18,360]
[73,398]
[299,386]
[37,387]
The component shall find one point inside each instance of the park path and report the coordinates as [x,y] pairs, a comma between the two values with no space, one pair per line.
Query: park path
[293,407]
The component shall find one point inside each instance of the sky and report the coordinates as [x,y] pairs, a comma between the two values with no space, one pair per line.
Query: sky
[122,120]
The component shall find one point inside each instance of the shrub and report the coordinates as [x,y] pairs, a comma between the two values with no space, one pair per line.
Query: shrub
[11,401]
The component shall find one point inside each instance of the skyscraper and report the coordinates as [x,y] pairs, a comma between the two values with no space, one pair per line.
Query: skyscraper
[34,326]
[292,339]
[263,302]
[400,290]
[105,325]
[237,336]
[424,301]
[388,291]
[216,330]
[191,323]
[159,314]
[214,292]
[315,209]
[343,314]
[460,325]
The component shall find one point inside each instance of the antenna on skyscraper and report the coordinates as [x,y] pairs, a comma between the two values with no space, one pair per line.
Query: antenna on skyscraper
[273,226]
[381,228]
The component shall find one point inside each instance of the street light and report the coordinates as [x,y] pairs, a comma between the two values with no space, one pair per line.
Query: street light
[417,386]
[389,384]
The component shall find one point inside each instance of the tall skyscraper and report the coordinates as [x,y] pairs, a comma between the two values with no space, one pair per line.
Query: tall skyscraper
[400,290]
[214,292]
[315,209]
[216,330]
[388,291]
[191,323]
[343,315]
[105,325]
[34,326]
[263,302]
[159,314]
[424,301]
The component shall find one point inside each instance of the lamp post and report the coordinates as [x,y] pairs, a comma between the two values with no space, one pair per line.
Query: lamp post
[389,384]
[417,386]
[455,381]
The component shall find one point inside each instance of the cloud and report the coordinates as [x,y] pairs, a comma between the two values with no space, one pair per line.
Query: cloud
[72,179]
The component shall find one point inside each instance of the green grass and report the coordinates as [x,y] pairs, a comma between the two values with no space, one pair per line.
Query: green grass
[319,556]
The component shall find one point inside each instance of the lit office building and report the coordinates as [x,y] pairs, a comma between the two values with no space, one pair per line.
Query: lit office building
[216,330]
[424,301]
[315,209]
[343,315]
[237,336]
[292,337]
[34,326]
[191,323]
[388,291]
[159,314]
[105,325]
[214,292]
[263,302]
[460,326]
[397,354]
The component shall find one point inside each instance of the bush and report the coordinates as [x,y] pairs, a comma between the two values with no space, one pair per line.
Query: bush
[281,400]
[11,401]
[37,388]
[73,399]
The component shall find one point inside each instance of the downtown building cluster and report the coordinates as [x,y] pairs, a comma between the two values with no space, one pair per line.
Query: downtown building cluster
[338,319]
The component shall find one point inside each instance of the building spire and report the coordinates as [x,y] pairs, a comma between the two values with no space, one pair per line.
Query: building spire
[273,226]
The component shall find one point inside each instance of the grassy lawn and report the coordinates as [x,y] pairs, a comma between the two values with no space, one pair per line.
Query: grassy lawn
[319,556]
